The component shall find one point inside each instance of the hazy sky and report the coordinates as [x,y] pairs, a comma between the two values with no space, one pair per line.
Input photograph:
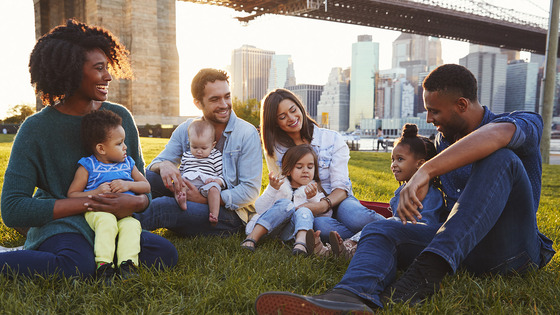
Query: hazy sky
[206,36]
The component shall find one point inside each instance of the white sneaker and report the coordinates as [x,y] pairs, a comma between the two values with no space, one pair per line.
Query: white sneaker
[10,249]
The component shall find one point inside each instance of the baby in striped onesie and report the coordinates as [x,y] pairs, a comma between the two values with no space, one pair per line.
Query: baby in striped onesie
[202,166]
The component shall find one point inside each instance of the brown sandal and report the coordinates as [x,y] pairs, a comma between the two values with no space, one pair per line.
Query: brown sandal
[249,248]
[297,251]
[319,249]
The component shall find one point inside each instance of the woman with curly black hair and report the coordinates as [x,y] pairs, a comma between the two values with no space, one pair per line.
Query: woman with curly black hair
[71,68]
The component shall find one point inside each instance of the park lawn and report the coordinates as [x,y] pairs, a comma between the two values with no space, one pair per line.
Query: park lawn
[214,276]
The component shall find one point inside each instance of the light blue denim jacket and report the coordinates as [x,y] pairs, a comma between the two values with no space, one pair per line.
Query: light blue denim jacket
[333,154]
[242,162]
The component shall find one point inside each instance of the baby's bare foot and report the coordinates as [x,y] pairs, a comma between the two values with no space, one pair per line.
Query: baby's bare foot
[181,198]
[213,219]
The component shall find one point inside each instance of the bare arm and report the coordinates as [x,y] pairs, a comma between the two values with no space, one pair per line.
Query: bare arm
[471,148]
[140,184]
[79,183]
[80,201]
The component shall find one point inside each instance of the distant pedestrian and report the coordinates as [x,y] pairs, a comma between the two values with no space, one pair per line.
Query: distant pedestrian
[380,139]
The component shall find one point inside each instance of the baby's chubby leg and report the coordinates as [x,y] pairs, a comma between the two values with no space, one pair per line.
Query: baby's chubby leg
[213,205]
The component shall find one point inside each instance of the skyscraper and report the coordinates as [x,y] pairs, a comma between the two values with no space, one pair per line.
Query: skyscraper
[281,72]
[395,95]
[309,94]
[250,70]
[335,101]
[489,67]
[521,88]
[412,47]
[417,54]
[384,102]
[365,63]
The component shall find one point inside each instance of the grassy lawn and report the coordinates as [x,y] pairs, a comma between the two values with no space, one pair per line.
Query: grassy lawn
[214,276]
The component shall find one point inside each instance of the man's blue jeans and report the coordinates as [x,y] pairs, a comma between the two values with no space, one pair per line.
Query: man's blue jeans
[284,220]
[164,212]
[491,229]
[351,217]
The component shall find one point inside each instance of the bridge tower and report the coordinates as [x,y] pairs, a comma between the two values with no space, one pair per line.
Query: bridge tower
[147,29]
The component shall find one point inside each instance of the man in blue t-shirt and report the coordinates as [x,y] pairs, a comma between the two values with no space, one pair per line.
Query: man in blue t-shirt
[490,168]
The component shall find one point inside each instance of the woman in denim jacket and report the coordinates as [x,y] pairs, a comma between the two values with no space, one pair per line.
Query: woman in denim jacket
[285,123]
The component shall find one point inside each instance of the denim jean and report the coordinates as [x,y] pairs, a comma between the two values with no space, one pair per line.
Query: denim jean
[351,217]
[283,220]
[164,212]
[491,229]
[70,254]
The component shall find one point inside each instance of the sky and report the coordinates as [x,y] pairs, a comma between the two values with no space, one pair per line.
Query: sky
[207,35]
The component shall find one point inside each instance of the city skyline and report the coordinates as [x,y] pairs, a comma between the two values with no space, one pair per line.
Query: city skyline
[206,36]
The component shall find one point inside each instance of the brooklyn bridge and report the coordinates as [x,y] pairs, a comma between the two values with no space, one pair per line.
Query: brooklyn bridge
[474,21]
[147,28]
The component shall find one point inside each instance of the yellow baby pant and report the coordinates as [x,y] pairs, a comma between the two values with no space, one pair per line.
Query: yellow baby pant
[107,228]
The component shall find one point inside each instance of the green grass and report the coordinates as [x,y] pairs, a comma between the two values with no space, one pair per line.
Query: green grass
[214,276]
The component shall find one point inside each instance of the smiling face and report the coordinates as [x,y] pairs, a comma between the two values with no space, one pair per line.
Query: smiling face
[96,77]
[289,118]
[303,172]
[443,112]
[201,145]
[113,149]
[404,163]
[216,103]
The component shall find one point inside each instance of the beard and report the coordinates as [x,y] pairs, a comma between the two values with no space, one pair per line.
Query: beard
[454,129]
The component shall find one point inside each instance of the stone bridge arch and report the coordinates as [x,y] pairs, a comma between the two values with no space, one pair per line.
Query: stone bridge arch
[147,29]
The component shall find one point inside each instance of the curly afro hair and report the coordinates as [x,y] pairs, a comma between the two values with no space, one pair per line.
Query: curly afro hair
[96,126]
[58,57]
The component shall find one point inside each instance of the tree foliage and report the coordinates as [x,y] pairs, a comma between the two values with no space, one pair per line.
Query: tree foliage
[248,110]
[18,113]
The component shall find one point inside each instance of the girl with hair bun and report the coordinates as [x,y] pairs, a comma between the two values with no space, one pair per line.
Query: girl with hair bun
[410,151]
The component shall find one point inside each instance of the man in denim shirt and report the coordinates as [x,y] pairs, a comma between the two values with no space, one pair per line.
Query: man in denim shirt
[242,167]
[491,173]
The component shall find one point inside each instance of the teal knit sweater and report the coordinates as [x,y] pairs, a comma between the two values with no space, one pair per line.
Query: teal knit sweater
[45,153]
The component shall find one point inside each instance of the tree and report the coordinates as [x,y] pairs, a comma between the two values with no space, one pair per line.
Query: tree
[18,113]
[249,110]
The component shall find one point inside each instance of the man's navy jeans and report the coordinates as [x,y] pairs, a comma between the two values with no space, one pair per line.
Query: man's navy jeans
[491,229]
